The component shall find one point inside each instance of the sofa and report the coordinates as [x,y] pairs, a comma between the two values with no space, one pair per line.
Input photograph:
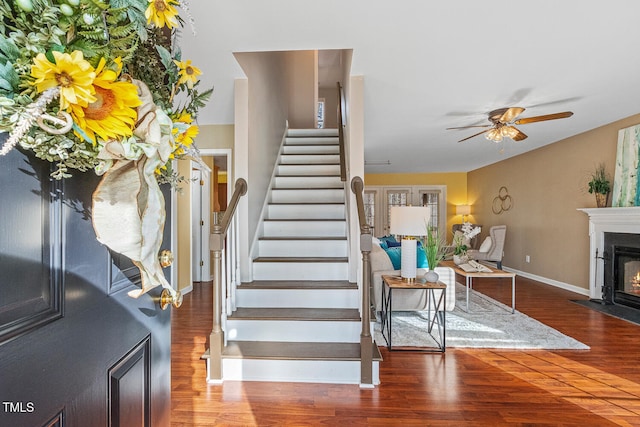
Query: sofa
[406,300]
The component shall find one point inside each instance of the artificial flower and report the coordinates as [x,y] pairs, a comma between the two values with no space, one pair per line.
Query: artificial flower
[71,72]
[113,114]
[188,73]
[186,138]
[162,13]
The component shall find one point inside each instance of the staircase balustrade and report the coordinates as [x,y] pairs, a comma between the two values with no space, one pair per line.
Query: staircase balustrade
[341,123]
[366,244]
[217,241]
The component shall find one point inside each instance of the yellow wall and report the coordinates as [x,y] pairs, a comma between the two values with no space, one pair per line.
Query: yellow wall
[456,183]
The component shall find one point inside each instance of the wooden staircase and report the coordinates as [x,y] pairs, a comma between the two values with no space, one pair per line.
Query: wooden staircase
[299,320]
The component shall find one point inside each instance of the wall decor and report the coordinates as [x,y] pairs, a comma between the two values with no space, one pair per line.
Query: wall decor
[502,202]
[625,181]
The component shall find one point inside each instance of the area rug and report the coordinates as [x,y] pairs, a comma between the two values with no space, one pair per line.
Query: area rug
[489,324]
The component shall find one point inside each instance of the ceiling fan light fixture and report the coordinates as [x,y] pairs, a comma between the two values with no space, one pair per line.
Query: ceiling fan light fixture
[494,135]
[509,132]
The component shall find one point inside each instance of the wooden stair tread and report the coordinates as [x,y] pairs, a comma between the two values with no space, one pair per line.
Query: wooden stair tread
[304,220]
[300,259]
[278,350]
[298,284]
[309,188]
[307,176]
[302,238]
[306,203]
[302,314]
[308,164]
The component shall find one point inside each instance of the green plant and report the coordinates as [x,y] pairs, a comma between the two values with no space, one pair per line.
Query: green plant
[459,248]
[599,183]
[433,246]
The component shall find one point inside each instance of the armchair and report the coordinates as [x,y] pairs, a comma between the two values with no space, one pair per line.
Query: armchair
[493,253]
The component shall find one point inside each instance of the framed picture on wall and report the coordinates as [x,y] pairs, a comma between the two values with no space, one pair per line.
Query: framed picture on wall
[625,181]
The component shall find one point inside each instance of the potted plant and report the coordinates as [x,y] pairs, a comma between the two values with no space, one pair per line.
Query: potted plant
[600,185]
[459,249]
[433,247]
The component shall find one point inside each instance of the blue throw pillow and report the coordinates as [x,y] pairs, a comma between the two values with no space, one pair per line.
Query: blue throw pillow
[421,257]
[391,244]
[387,239]
[395,255]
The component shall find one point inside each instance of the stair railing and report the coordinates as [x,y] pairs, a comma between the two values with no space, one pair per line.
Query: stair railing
[366,244]
[341,123]
[216,242]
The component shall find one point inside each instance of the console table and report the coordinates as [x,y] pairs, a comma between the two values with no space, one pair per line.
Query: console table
[389,283]
[470,275]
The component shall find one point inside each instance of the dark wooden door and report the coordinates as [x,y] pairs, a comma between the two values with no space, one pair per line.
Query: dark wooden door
[75,350]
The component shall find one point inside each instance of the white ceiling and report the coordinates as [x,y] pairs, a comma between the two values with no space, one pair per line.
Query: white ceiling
[431,65]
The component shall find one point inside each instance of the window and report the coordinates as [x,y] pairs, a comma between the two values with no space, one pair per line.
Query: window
[379,200]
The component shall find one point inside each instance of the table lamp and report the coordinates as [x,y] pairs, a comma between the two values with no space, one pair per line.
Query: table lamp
[409,222]
[463,210]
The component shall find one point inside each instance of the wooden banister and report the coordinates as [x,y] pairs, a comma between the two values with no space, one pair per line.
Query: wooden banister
[341,123]
[366,244]
[216,242]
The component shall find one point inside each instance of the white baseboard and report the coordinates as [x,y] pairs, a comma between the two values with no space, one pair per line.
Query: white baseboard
[545,280]
[187,289]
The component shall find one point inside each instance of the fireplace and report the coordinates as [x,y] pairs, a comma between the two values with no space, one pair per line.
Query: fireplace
[621,256]
[625,224]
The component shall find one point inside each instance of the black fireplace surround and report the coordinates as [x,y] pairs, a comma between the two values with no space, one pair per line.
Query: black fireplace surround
[621,269]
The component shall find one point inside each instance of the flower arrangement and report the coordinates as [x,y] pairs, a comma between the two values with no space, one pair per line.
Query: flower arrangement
[100,84]
[70,78]
[459,239]
[600,185]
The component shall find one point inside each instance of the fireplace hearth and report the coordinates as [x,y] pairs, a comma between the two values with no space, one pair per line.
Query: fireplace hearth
[621,281]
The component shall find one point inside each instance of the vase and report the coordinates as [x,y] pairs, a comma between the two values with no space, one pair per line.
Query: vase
[431,276]
[601,199]
[460,259]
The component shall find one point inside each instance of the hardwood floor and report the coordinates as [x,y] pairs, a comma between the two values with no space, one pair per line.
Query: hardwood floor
[596,387]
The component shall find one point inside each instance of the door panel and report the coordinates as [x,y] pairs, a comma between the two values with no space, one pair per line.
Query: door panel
[60,371]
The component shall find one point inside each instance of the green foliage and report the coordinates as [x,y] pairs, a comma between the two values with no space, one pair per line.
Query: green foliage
[434,247]
[599,180]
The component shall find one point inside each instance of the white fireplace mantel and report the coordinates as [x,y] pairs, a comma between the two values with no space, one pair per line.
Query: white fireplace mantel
[606,220]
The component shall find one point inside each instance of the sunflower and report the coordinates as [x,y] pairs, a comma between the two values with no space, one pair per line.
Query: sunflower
[188,73]
[161,13]
[186,137]
[71,72]
[113,114]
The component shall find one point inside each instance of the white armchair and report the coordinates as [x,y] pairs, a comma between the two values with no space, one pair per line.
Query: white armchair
[491,250]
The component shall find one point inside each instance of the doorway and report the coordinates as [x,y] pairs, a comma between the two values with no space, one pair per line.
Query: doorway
[209,193]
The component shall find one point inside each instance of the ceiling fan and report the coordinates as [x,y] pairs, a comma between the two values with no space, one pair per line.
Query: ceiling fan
[502,121]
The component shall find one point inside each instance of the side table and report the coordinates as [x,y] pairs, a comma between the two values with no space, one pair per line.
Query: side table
[389,283]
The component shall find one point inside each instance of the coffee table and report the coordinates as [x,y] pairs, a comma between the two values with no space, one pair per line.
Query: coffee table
[470,275]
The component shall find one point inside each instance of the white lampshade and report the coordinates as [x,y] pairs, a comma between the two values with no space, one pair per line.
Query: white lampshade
[463,210]
[409,220]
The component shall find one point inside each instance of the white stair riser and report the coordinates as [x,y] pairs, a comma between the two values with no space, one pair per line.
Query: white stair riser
[301,298]
[333,211]
[307,195]
[305,228]
[316,371]
[300,271]
[311,149]
[325,132]
[293,331]
[310,248]
[308,182]
[286,159]
[309,170]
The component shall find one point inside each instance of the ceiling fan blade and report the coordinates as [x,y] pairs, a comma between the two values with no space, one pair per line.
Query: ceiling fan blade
[479,133]
[467,127]
[510,114]
[519,136]
[534,119]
